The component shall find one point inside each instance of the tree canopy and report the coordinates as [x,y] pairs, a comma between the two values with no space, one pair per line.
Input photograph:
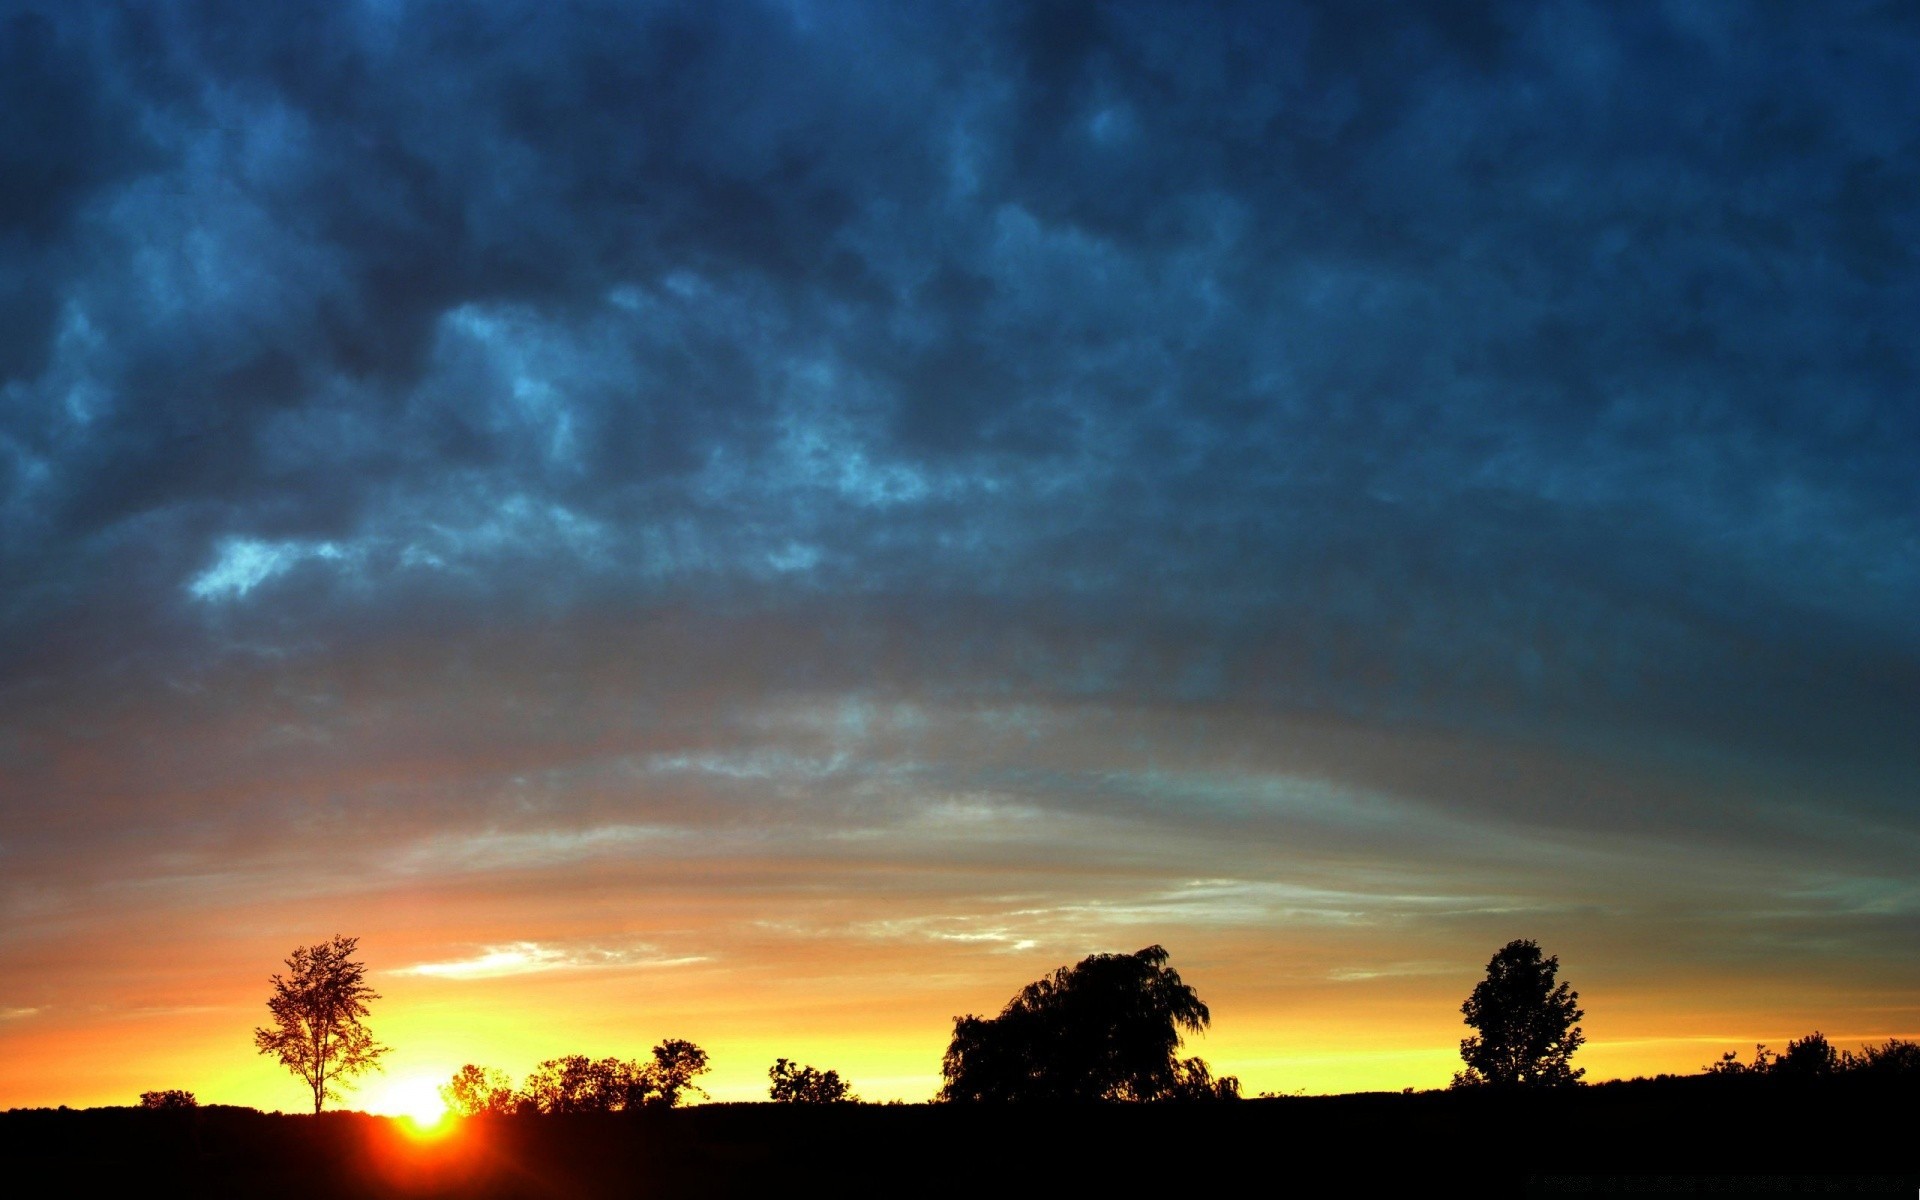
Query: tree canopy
[318,1010]
[676,1062]
[1528,1024]
[795,1084]
[575,1083]
[476,1091]
[1106,1028]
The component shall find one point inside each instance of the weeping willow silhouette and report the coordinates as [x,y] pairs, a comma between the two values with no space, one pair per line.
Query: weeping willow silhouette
[1107,1028]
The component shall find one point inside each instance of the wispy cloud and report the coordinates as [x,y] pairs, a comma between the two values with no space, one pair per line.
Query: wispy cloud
[523,958]
[526,849]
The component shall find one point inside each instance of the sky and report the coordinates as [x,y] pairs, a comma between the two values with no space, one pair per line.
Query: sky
[778,524]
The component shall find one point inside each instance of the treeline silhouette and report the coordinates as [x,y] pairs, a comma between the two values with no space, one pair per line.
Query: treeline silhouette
[1844,1134]
[1813,1057]
[1076,1085]
[575,1083]
[1106,1029]
[578,1084]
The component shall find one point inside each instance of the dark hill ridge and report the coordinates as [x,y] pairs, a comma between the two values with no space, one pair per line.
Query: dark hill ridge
[1696,1134]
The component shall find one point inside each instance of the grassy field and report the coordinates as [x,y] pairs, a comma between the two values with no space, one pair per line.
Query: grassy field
[1659,1137]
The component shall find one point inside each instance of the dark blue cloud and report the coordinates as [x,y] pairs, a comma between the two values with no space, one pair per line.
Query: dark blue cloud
[1540,369]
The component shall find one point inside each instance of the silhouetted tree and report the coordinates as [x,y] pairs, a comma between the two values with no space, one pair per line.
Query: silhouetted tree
[171,1098]
[676,1063]
[575,1083]
[1528,1025]
[795,1084]
[317,1010]
[1813,1057]
[476,1091]
[1810,1057]
[1730,1064]
[1103,1029]
[1192,1080]
[1896,1058]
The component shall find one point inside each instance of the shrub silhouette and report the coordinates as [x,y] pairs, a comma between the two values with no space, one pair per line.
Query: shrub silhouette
[171,1098]
[1730,1064]
[1810,1057]
[1104,1029]
[1896,1058]
[1813,1057]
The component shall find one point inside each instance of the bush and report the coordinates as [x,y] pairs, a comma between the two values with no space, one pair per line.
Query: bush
[1810,1057]
[1895,1058]
[1813,1057]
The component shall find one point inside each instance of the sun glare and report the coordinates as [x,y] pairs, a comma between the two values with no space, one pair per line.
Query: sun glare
[416,1101]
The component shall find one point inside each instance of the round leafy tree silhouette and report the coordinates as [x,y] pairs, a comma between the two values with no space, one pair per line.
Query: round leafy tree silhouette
[1528,1025]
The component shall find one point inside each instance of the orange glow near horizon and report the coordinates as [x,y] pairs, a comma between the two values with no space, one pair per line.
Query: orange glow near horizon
[1332,898]
[1276,1026]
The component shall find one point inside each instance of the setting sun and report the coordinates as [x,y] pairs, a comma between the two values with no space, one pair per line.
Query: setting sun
[415,1099]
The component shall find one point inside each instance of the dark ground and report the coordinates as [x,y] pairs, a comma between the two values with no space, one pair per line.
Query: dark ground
[1686,1136]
